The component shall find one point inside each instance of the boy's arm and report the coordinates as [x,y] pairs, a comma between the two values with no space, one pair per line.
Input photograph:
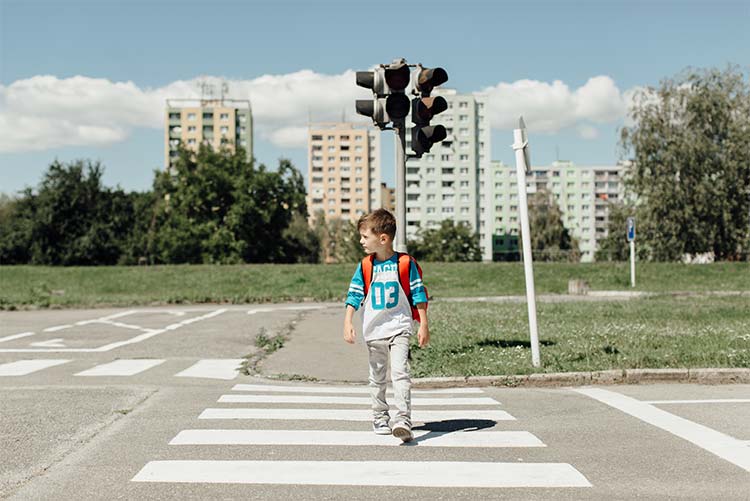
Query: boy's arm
[349,334]
[354,299]
[423,335]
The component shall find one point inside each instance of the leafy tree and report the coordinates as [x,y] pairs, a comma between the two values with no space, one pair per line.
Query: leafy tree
[690,153]
[550,240]
[70,220]
[339,240]
[615,247]
[301,243]
[449,242]
[218,207]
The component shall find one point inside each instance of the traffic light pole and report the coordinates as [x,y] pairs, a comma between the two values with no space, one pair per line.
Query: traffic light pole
[399,126]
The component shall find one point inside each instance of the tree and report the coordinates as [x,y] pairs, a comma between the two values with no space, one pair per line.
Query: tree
[449,242]
[218,207]
[339,240]
[615,247]
[690,153]
[550,240]
[70,220]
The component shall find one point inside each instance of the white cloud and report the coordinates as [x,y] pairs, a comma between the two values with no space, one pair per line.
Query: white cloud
[550,107]
[46,112]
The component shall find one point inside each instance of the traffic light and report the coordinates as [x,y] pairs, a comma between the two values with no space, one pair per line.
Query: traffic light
[387,84]
[424,108]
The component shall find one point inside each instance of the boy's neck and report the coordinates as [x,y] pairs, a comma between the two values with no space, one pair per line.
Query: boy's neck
[385,254]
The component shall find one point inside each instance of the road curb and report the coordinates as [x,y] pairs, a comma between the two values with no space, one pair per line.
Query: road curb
[621,376]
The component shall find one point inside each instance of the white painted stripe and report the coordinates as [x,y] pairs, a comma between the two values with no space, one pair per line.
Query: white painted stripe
[350,414]
[50,343]
[724,446]
[121,368]
[386,473]
[126,326]
[24,367]
[708,401]
[332,399]
[343,389]
[58,328]
[227,368]
[315,437]
[112,346]
[15,336]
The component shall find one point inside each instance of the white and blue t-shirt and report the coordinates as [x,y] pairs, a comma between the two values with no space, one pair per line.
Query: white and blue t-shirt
[387,310]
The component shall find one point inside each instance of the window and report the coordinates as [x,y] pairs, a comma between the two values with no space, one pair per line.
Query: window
[445,158]
[191,128]
[463,104]
[331,138]
[208,115]
[447,210]
[463,118]
[317,138]
[224,116]
[464,184]
[463,170]
[224,129]
[191,116]
[345,137]
[463,158]
[463,131]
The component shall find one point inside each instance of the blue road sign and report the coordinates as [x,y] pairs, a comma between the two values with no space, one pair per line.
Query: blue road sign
[631,229]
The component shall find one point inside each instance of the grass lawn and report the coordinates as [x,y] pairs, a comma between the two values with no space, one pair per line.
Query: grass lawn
[476,339]
[40,286]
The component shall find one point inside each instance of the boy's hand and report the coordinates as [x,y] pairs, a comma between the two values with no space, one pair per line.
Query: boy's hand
[349,334]
[423,335]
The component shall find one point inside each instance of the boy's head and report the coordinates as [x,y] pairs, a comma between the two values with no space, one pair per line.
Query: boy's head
[377,230]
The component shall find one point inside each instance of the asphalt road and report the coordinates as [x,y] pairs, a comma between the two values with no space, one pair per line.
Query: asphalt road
[146,403]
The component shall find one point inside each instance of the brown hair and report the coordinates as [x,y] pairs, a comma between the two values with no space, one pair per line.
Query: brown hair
[379,222]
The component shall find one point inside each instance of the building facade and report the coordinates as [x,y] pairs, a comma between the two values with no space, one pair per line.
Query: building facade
[582,193]
[387,198]
[343,170]
[221,123]
[446,182]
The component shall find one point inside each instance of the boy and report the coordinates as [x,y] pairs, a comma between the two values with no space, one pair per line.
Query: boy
[387,322]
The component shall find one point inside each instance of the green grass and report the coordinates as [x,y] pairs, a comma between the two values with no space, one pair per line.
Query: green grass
[475,339]
[40,286]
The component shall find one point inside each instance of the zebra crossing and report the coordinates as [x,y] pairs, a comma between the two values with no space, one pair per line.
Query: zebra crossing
[332,410]
[223,369]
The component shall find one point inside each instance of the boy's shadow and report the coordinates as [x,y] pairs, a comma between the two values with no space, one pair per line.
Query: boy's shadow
[439,428]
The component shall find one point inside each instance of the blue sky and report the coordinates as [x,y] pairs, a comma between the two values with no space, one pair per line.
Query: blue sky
[128,56]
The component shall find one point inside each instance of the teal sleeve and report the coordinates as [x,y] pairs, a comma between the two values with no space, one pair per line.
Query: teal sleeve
[418,291]
[356,293]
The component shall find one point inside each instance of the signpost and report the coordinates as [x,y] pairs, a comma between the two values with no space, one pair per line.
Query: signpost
[631,239]
[521,147]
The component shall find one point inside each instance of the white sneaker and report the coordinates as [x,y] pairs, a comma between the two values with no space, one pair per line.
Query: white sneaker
[380,426]
[403,431]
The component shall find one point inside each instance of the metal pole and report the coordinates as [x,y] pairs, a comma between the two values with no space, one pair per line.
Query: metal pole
[519,145]
[400,129]
[632,263]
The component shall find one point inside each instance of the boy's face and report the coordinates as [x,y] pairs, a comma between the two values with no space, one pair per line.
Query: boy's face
[371,242]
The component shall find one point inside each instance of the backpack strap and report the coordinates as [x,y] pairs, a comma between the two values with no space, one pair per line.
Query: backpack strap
[404,262]
[367,263]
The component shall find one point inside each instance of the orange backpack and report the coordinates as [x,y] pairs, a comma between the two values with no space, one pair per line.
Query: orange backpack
[404,260]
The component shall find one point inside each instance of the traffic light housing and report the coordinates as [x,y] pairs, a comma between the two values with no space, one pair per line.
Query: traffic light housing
[387,83]
[424,108]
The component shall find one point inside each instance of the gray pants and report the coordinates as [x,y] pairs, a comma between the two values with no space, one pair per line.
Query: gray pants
[378,350]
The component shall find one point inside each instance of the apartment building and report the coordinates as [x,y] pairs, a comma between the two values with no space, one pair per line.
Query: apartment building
[582,193]
[387,198]
[343,170]
[445,183]
[222,123]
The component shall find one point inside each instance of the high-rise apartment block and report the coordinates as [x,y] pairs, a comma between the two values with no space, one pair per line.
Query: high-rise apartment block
[581,192]
[445,183]
[222,123]
[343,170]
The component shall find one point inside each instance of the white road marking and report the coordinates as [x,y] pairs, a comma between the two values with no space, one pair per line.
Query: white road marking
[310,399]
[283,308]
[342,389]
[51,343]
[121,368]
[58,328]
[15,336]
[707,401]
[126,326]
[24,367]
[346,438]
[386,473]
[349,414]
[227,368]
[724,446]
[111,346]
